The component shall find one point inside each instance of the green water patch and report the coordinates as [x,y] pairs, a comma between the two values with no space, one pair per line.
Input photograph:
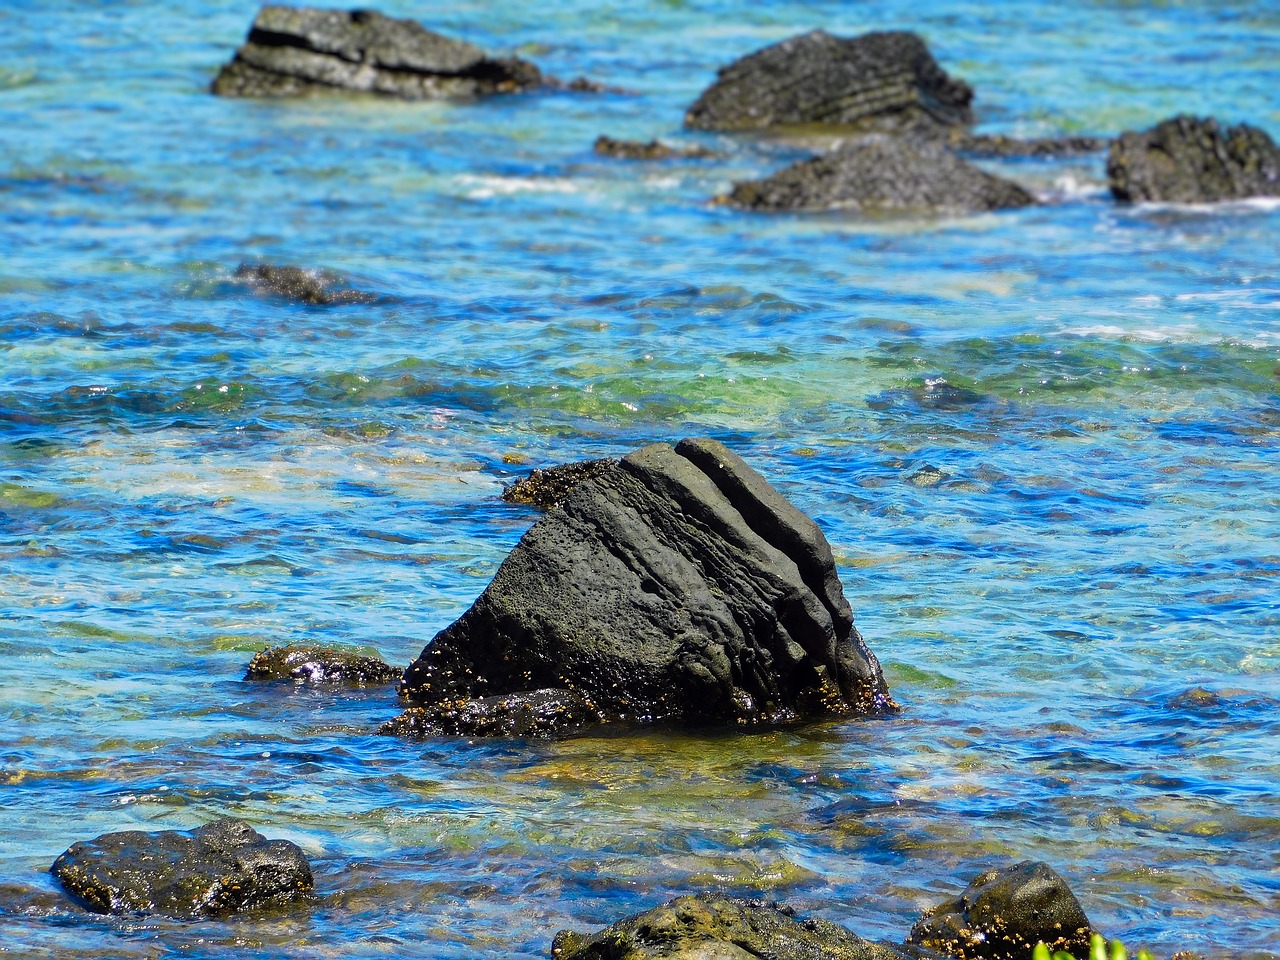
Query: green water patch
[18,495]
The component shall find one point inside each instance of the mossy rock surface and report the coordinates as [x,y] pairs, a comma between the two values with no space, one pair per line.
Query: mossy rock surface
[316,664]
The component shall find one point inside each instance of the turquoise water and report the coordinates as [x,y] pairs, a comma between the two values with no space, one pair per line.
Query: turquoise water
[1080,616]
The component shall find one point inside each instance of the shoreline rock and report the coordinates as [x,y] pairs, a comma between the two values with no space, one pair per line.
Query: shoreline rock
[1193,160]
[887,81]
[311,664]
[653,150]
[222,868]
[881,175]
[297,51]
[676,586]
[999,145]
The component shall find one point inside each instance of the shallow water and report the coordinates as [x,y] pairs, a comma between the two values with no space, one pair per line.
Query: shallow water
[1076,605]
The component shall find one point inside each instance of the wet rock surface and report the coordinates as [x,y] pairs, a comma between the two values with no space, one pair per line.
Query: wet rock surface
[653,150]
[547,487]
[536,713]
[1191,160]
[1003,914]
[295,51]
[315,287]
[675,586]
[999,145]
[885,81]
[881,175]
[302,663]
[716,927]
[222,868]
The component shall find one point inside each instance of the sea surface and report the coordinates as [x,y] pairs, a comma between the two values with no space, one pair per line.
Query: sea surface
[1044,444]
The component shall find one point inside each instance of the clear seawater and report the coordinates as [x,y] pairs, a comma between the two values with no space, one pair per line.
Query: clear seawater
[1080,616]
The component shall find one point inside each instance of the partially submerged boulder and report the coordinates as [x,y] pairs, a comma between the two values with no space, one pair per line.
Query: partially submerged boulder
[715,927]
[1192,160]
[675,586]
[882,175]
[294,51]
[1003,914]
[884,81]
[314,287]
[547,487]
[653,150]
[308,663]
[222,868]
[534,713]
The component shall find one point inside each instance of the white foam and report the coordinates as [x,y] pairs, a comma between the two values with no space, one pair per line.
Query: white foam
[482,187]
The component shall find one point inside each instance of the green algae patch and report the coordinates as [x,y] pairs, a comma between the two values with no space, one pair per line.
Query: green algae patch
[78,628]
[906,674]
[15,494]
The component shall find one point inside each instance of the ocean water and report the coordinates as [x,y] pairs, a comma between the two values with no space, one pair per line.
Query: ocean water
[1044,444]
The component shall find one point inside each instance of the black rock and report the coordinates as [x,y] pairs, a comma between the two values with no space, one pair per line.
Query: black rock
[536,713]
[304,663]
[1189,160]
[882,81]
[547,487]
[316,287]
[653,150]
[998,145]
[674,586]
[222,868]
[715,927]
[1003,914]
[292,51]
[881,175]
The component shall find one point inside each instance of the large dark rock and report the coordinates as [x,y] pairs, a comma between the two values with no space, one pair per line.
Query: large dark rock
[1003,914]
[674,586]
[308,663]
[222,868]
[292,51]
[881,81]
[882,175]
[716,927]
[1189,160]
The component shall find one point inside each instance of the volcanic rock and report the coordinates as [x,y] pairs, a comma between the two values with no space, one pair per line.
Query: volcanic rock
[1190,160]
[315,287]
[222,868]
[653,150]
[882,81]
[292,51]
[547,487]
[303,663]
[675,586]
[881,175]
[536,713]
[1003,914]
[715,927]
[999,145]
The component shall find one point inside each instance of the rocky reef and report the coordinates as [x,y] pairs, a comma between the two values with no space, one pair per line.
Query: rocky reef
[295,51]
[313,287]
[881,175]
[651,150]
[675,586]
[222,868]
[1192,160]
[307,663]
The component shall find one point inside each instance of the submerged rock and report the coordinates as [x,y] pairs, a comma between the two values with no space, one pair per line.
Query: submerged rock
[536,713]
[653,150]
[292,51]
[674,586]
[715,927]
[222,868]
[1003,914]
[885,81]
[881,175]
[304,663]
[316,287]
[547,487]
[998,145]
[1190,160]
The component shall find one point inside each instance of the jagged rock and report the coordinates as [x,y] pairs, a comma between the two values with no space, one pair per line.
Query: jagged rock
[881,175]
[316,287]
[546,487]
[653,150]
[537,713]
[222,868]
[715,927]
[674,586]
[998,145]
[882,81]
[292,51]
[1003,914]
[1189,160]
[313,664]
